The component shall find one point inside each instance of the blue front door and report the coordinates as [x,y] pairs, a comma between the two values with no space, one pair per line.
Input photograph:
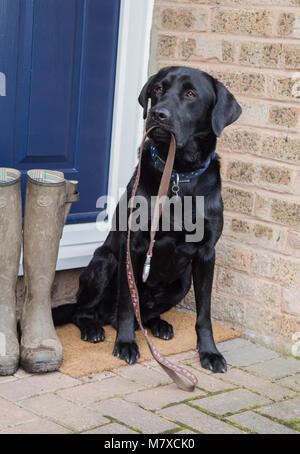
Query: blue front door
[59,61]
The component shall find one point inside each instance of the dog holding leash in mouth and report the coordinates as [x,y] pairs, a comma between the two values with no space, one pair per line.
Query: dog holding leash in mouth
[195,108]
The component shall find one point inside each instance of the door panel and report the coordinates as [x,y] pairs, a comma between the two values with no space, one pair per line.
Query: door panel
[60,71]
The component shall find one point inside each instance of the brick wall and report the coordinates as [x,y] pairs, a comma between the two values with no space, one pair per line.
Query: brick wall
[253,47]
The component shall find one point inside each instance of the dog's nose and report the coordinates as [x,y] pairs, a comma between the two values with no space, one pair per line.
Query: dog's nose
[161,114]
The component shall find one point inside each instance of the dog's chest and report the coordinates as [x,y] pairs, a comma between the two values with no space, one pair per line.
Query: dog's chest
[168,261]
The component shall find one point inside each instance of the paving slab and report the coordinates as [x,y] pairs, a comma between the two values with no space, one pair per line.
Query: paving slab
[38,426]
[153,399]
[276,368]
[288,410]
[233,344]
[151,363]
[257,384]
[111,429]
[190,355]
[33,385]
[260,424]
[11,414]
[185,415]
[138,402]
[293,382]
[99,390]
[209,383]
[21,373]
[231,401]
[97,377]
[65,413]
[7,378]
[248,355]
[143,375]
[186,432]
[133,416]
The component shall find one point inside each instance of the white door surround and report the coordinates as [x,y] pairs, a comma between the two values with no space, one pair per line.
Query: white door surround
[79,241]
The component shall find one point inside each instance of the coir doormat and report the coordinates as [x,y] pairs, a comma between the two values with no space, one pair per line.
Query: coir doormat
[83,358]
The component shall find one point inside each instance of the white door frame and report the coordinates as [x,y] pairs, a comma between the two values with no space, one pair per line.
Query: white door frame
[79,241]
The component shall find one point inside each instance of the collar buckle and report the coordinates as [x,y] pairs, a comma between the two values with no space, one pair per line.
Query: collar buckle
[184,181]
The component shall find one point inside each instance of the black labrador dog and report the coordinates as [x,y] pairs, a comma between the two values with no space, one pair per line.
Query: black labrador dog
[195,107]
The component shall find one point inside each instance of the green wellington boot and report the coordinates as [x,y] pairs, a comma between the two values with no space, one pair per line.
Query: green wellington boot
[48,201]
[10,249]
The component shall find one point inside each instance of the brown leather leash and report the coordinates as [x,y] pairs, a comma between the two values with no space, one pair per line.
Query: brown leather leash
[171,369]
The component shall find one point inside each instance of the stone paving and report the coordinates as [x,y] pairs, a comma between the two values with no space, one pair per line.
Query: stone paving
[260,393]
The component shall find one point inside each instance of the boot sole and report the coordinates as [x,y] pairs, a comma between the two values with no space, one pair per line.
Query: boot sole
[40,367]
[8,366]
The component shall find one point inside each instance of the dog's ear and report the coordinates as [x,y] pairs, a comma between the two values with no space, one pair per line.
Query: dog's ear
[226,110]
[145,95]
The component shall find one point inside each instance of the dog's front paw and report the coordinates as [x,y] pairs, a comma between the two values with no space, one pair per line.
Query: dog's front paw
[129,351]
[213,361]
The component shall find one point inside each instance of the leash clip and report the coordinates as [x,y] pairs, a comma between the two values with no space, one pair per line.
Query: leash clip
[146,269]
[175,187]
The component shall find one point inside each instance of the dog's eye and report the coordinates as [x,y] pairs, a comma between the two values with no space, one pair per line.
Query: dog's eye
[190,94]
[158,90]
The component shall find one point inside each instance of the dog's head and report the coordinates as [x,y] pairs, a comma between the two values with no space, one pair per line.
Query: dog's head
[189,103]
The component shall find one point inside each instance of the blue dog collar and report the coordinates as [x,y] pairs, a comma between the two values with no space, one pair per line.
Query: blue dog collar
[180,177]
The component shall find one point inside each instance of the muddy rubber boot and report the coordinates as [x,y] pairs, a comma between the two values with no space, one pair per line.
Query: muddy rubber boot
[48,201]
[10,249]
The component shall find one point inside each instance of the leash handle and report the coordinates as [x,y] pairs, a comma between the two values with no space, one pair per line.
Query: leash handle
[171,369]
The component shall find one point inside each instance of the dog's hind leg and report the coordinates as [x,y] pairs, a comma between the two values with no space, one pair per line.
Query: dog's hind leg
[93,309]
[160,328]
[95,278]
[90,326]
[164,299]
